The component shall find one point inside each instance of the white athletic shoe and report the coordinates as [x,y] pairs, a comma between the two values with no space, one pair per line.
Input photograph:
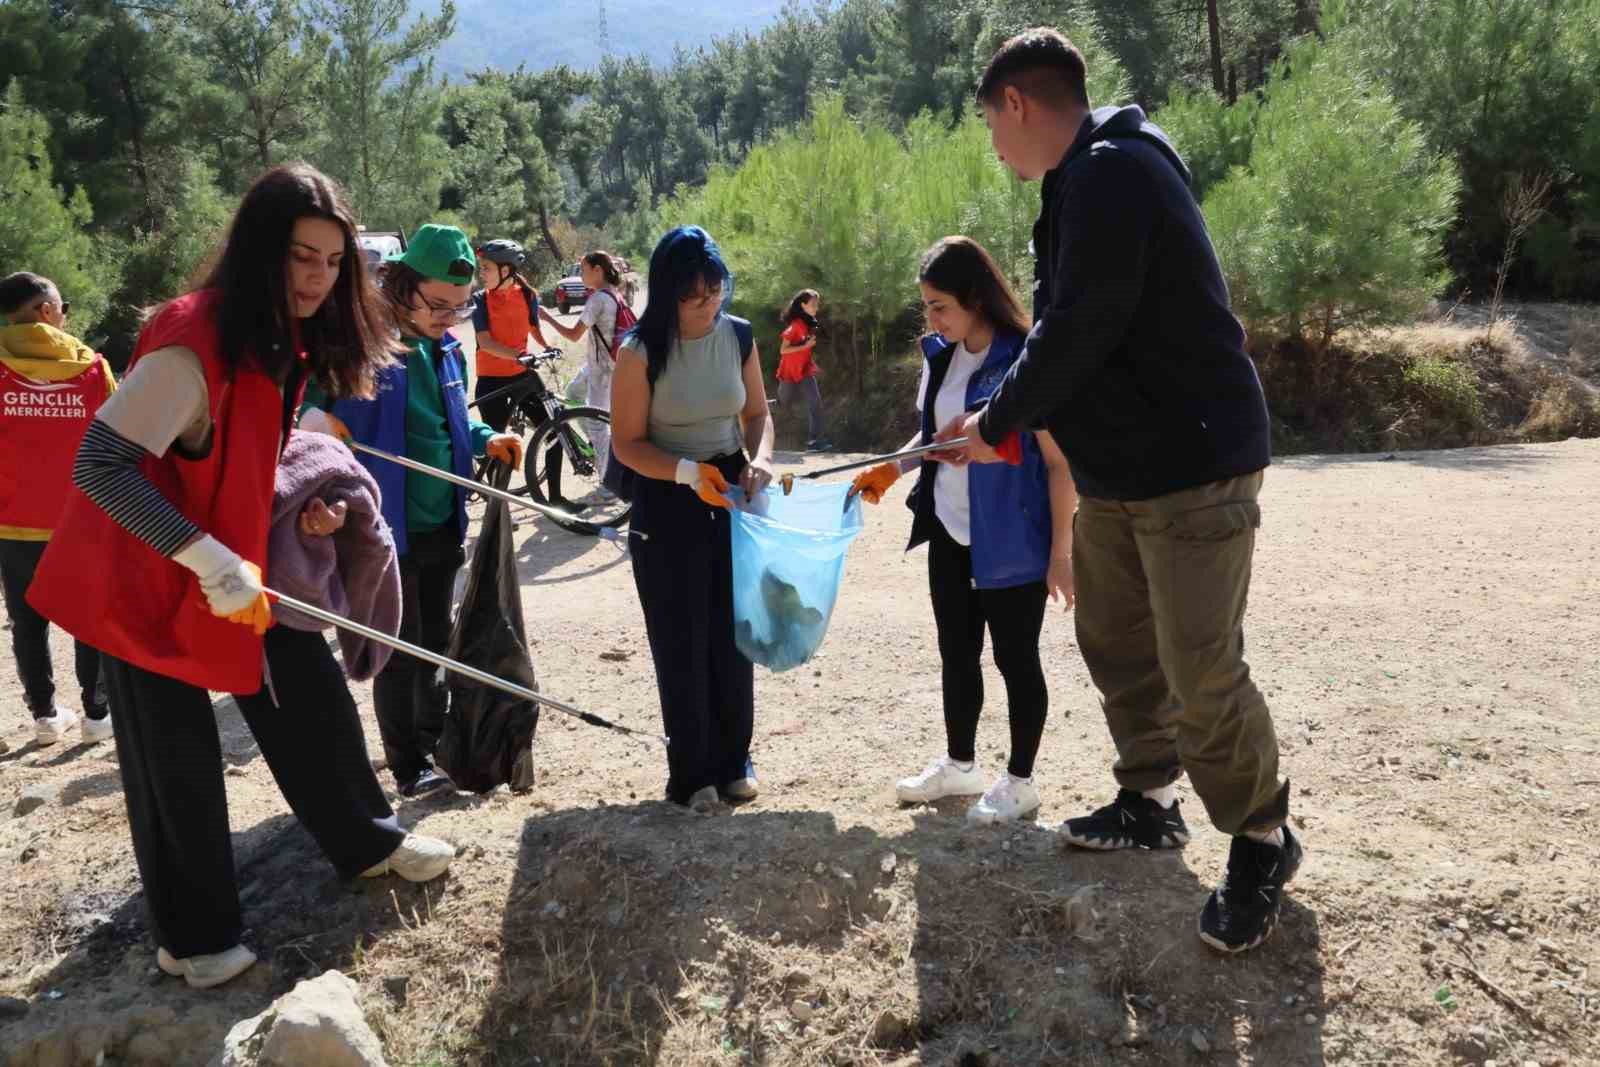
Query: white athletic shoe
[95,730]
[52,728]
[418,859]
[204,972]
[941,778]
[1007,800]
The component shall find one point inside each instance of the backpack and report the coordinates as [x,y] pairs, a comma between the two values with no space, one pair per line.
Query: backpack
[626,321]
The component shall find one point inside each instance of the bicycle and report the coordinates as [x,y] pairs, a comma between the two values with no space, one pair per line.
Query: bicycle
[570,427]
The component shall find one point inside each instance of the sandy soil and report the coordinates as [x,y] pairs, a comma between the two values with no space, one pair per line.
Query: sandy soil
[1423,625]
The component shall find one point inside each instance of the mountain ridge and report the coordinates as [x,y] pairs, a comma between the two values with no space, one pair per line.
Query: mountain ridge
[501,33]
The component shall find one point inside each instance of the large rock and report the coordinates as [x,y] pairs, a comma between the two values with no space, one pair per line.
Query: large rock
[318,1022]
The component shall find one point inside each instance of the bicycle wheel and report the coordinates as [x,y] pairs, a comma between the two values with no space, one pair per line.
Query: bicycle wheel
[593,507]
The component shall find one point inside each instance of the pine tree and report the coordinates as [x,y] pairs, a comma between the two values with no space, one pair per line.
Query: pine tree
[42,228]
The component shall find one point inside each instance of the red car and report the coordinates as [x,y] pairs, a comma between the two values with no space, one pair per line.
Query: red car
[571,292]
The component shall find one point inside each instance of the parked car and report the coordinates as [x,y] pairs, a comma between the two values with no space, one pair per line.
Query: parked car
[571,292]
[379,245]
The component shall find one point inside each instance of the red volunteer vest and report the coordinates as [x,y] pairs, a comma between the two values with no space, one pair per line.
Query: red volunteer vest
[114,592]
[41,424]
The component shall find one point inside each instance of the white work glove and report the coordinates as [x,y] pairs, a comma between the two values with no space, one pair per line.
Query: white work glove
[232,585]
[706,481]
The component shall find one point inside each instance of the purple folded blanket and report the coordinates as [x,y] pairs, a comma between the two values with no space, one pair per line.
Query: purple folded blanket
[354,572]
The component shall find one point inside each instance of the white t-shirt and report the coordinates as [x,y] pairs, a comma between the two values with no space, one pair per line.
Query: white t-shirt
[600,315]
[951,502]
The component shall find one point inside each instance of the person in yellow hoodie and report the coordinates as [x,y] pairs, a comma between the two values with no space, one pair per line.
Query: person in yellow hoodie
[51,384]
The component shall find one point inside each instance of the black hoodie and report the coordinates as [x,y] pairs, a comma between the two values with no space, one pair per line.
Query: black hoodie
[1135,363]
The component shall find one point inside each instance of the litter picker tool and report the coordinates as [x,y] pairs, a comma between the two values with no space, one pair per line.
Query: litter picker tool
[788,480]
[606,533]
[481,677]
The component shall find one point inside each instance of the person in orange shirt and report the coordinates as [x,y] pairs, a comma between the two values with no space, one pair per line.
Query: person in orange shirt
[507,312]
[797,370]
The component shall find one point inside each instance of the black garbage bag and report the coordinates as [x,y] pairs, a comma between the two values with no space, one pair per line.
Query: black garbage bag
[488,733]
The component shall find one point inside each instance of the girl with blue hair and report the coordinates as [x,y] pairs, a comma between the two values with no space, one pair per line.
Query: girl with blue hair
[689,417]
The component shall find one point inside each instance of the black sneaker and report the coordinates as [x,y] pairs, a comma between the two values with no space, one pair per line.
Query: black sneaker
[1243,910]
[1132,820]
[427,783]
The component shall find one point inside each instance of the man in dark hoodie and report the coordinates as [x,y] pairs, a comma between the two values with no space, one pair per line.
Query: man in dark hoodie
[1136,365]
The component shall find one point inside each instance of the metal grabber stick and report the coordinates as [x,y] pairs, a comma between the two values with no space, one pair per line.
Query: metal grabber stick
[788,480]
[481,677]
[606,533]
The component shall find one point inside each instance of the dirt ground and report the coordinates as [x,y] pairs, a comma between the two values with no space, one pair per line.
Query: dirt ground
[1422,623]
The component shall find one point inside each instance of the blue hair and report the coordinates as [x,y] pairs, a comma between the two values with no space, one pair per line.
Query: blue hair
[684,260]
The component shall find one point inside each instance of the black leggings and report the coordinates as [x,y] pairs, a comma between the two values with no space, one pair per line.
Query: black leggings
[171,760]
[496,412]
[1015,617]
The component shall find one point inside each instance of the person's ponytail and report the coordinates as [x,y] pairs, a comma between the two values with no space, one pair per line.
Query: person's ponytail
[607,265]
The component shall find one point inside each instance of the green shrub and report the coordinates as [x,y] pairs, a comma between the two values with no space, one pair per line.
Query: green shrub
[1447,391]
[1212,136]
[42,229]
[1337,219]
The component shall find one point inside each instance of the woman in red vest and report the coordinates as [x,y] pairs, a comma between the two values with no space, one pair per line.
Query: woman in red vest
[173,491]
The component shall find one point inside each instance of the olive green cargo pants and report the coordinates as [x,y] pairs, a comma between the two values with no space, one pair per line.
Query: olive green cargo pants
[1161,588]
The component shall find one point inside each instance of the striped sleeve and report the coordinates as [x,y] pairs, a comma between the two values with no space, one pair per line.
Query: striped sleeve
[107,471]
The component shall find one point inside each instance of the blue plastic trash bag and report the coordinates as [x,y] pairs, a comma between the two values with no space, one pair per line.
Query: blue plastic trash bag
[788,560]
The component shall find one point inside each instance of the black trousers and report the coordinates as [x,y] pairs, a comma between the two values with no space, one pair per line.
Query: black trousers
[1014,617]
[497,413]
[683,567]
[408,695]
[30,638]
[171,759]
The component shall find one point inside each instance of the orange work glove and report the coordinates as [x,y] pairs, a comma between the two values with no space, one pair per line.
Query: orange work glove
[873,482]
[505,447]
[706,481]
[319,421]
[258,616]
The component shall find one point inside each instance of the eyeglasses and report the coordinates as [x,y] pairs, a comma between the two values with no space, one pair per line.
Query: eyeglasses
[700,303]
[66,306]
[441,311]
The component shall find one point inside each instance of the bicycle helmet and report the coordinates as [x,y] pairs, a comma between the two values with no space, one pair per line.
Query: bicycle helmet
[506,253]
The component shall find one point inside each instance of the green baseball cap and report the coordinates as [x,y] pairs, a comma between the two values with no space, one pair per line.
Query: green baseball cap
[441,254]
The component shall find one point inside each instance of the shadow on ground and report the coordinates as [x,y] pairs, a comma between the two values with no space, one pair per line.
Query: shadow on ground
[645,934]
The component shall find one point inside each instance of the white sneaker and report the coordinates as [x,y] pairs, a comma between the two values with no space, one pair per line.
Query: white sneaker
[941,778]
[49,730]
[95,730]
[1007,800]
[418,859]
[204,972]
[743,788]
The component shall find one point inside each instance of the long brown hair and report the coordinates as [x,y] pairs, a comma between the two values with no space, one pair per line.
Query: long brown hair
[349,339]
[963,268]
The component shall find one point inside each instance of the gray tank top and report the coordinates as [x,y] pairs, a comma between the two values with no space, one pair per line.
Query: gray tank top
[695,404]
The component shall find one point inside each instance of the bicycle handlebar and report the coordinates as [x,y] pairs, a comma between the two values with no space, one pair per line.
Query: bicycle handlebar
[535,359]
